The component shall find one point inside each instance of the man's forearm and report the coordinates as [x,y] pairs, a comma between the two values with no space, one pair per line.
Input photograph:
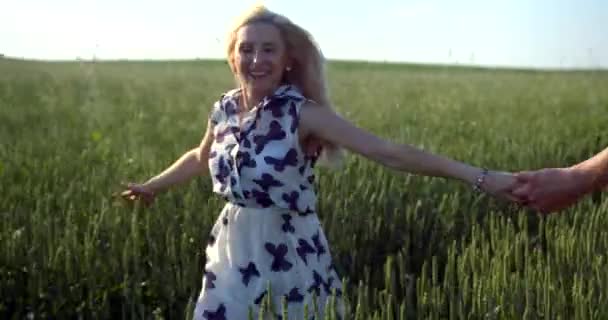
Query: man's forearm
[597,167]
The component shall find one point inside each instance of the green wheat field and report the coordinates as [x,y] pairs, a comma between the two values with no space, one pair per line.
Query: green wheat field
[408,247]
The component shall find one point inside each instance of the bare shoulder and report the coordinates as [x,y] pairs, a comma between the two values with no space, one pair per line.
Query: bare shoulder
[323,122]
[311,115]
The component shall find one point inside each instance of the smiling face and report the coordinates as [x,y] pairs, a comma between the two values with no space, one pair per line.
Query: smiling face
[260,58]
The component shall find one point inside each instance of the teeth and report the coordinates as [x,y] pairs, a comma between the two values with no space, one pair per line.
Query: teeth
[258,74]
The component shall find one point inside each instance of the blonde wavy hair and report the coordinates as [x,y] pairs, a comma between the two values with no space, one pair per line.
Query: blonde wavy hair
[307,64]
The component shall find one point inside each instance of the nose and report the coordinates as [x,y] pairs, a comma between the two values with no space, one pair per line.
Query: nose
[256,57]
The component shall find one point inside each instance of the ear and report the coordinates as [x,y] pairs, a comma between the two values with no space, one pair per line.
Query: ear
[288,62]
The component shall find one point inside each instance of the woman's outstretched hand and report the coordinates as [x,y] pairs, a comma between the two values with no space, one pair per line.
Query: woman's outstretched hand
[135,192]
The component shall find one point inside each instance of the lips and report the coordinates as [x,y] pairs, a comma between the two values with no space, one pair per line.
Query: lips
[258,74]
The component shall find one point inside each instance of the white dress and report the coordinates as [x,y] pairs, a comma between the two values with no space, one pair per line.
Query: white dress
[268,235]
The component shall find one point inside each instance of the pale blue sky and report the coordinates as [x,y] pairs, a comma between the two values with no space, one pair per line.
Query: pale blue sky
[524,33]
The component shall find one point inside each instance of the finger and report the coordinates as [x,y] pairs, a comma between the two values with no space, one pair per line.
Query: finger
[513,186]
[127,197]
[126,185]
[139,190]
[511,198]
[524,176]
[522,191]
[312,151]
[313,148]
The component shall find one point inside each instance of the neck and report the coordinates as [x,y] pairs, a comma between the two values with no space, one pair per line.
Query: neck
[251,98]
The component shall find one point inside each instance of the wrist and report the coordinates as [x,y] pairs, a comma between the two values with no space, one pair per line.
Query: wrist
[480,180]
[470,175]
[152,186]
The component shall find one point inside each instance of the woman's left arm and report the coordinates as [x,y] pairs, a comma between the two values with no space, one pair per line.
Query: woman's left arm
[324,123]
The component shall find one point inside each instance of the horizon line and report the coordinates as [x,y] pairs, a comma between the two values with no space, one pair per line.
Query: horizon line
[328,61]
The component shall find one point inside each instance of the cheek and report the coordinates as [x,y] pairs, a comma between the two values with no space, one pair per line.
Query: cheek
[278,64]
[240,65]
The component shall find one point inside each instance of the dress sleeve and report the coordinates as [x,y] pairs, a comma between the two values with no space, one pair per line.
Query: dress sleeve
[216,114]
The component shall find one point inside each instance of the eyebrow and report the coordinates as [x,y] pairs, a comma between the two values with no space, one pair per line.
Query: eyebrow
[248,43]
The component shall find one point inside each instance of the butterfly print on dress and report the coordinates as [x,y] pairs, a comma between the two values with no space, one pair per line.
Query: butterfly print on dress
[292,199]
[275,105]
[294,296]
[293,113]
[229,147]
[327,285]
[305,212]
[332,267]
[209,277]
[275,133]
[303,249]
[318,282]
[260,297]
[219,314]
[267,182]
[244,159]
[219,137]
[311,179]
[249,272]
[276,175]
[287,226]
[279,263]
[230,108]
[262,198]
[290,159]
[246,143]
[222,173]
[318,245]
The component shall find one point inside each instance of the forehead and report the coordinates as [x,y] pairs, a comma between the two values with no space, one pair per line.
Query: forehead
[259,32]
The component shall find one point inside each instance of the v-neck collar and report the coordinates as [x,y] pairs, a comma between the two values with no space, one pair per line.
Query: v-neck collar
[283,91]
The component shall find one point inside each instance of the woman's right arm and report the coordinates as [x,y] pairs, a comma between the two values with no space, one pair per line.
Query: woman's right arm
[189,165]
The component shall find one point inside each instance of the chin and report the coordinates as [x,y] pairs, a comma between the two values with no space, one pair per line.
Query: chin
[263,86]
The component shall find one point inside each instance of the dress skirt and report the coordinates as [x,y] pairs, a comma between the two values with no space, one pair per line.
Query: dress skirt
[254,251]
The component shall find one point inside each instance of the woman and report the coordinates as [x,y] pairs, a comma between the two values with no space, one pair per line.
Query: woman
[269,232]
